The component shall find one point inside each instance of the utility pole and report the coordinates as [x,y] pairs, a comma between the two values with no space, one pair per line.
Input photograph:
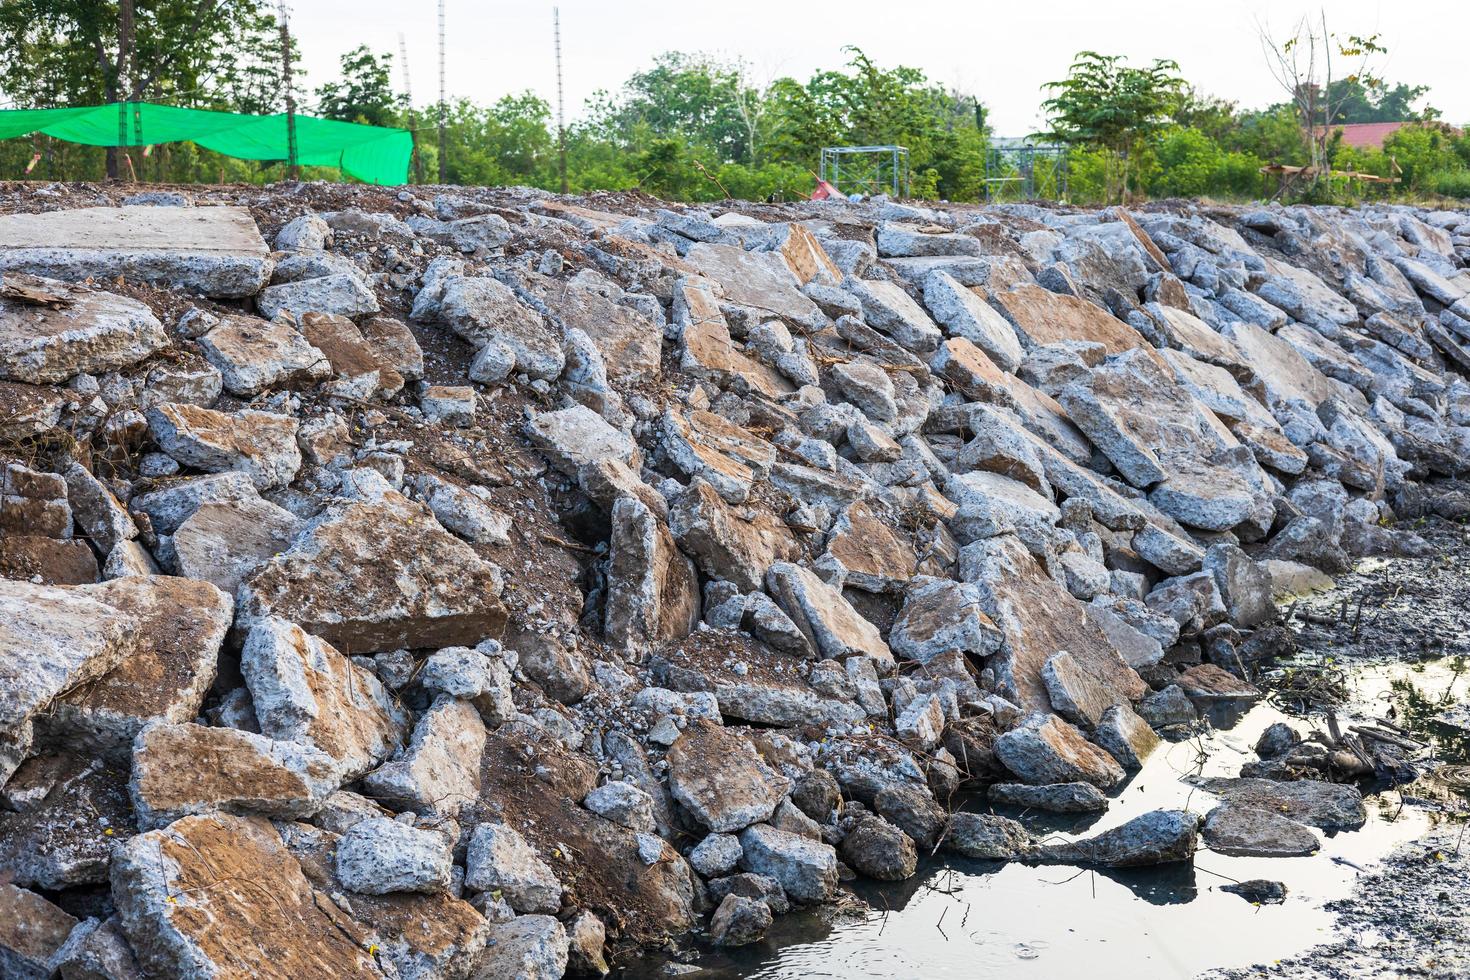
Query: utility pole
[292,169]
[443,102]
[561,119]
[418,158]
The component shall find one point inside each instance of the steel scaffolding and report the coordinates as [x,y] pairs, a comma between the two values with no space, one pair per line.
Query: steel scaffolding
[865,169]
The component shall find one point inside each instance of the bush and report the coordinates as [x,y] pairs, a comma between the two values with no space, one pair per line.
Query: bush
[1451,183]
[1188,162]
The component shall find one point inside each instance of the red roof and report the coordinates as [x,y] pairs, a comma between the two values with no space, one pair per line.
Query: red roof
[1368,136]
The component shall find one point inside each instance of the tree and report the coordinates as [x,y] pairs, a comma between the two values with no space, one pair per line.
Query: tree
[365,93]
[1302,65]
[1360,103]
[69,52]
[688,96]
[1116,107]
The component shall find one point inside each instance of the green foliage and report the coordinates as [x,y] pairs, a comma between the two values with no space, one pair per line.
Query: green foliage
[1191,164]
[697,128]
[65,52]
[1450,183]
[1116,107]
[365,92]
[1358,102]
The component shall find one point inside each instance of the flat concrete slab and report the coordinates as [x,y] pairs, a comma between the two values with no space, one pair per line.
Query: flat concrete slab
[216,251]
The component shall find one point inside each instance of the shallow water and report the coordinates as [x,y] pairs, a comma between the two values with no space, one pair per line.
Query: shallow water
[961,918]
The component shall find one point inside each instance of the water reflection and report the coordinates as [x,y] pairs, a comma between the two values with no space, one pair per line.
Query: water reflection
[962,918]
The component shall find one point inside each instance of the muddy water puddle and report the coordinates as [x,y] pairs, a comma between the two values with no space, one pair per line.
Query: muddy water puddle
[961,918]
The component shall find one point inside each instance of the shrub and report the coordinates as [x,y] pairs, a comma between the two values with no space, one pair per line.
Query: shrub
[1451,183]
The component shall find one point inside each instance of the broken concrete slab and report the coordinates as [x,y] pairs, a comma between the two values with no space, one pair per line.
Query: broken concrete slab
[867,551]
[964,313]
[940,615]
[728,456]
[528,947]
[53,639]
[730,543]
[358,368]
[1157,837]
[66,330]
[220,895]
[224,542]
[304,691]
[707,349]
[722,780]
[379,575]
[213,251]
[1282,370]
[181,626]
[1126,736]
[465,512]
[1039,618]
[487,313]
[1045,749]
[806,869]
[340,294]
[186,769]
[761,281]
[576,436]
[631,343]
[653,589]
[1247,831]
[97,512]
[1053,798]
[33,933]
[891,310]
[262,445]
[500,859]
[1043,317]
[833,626]
[253,354]
[1327,806]
[438,772]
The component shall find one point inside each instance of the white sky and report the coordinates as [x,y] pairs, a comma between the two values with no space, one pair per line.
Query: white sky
[1002,52]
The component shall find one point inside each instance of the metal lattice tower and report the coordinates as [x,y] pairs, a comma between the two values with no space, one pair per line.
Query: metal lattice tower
[443,101]
[561,118]
[292,169]
[418,160]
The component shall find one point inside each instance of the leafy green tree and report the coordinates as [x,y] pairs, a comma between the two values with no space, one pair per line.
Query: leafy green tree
[689,96]
[1358,102]
[1106,103]
[213,54]
[365,93]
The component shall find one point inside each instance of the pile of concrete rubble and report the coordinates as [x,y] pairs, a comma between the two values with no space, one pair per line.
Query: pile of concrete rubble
[482,583]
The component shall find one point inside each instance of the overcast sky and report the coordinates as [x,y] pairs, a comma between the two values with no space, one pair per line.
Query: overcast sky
[1002,52]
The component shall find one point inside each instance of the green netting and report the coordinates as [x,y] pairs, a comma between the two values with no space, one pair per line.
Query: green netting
[372,154]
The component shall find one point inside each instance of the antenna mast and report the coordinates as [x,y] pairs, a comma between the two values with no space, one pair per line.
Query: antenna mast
[443,103]
[561,119]
[292,170]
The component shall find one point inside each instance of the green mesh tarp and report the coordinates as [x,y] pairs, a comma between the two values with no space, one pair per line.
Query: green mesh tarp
[372,154]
